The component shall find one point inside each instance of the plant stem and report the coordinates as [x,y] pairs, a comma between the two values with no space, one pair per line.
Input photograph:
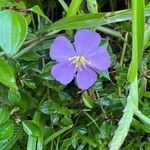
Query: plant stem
[141,116]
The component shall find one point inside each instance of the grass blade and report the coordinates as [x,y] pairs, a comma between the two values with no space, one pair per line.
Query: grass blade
[56,134]
[93,20]
[138,36]
[74,7]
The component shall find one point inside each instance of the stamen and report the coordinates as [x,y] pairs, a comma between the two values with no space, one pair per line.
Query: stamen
[89,62]
[72,58]
[78,61]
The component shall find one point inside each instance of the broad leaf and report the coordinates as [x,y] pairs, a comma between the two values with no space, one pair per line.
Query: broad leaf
[13,30]
[7,76]
[31,128]
[4,114]
[6,130]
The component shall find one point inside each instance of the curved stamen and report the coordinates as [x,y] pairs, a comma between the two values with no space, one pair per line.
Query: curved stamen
[78,61]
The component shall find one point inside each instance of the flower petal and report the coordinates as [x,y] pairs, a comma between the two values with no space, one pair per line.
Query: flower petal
[63,72]
[85,78]
[61,49]
[99,58]
[85,41]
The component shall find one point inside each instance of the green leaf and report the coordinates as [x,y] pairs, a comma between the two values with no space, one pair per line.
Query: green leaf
[4,114]
[74,7]
[105,74]
[36,9]
[66,121]
[29,83]
[31,128]
[6,130]
[13,31]
[14,97]
[66,144]
[21,99]
[25,100]
[146,94]
[93,7]
[7,144]
[47,107]
[146,35]
[63,4]
[125,121]
[56,134]
[7,76]
[137,44]
[93,20]
[141,116]
[32,141]
[110,31]
[87,140]
[4,3]
[136,124]
[87,100]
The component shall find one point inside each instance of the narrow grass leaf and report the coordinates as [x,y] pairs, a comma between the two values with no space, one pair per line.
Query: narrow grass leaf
[36,9]
[63,4]
[141,116]
[74,7]
[137,36]
[93,20]
[56,134]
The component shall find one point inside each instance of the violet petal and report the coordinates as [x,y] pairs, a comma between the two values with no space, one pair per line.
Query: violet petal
[61,49]
[85,78]
[63,72]
[99,58]
[85,41]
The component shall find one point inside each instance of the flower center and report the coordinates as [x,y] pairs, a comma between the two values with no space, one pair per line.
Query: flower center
[79,60]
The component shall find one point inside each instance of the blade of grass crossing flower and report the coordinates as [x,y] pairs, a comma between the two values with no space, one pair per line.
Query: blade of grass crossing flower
[93,20]
[72,11]
[125,121]
[137,36]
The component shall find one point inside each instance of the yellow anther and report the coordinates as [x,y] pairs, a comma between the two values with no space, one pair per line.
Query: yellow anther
[79,60]
[82,60]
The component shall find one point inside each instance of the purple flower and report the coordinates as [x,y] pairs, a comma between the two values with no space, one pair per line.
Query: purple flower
[81,60]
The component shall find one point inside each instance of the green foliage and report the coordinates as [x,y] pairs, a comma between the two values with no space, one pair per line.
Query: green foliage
[6,130]
[87,100]
[36,9]
[7,76]
[13,31]
[93,20]
[137,47]
[39,113]
[4,111]
[31,128]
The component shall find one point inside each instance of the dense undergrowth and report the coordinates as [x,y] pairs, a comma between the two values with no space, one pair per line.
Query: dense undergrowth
[39,113]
